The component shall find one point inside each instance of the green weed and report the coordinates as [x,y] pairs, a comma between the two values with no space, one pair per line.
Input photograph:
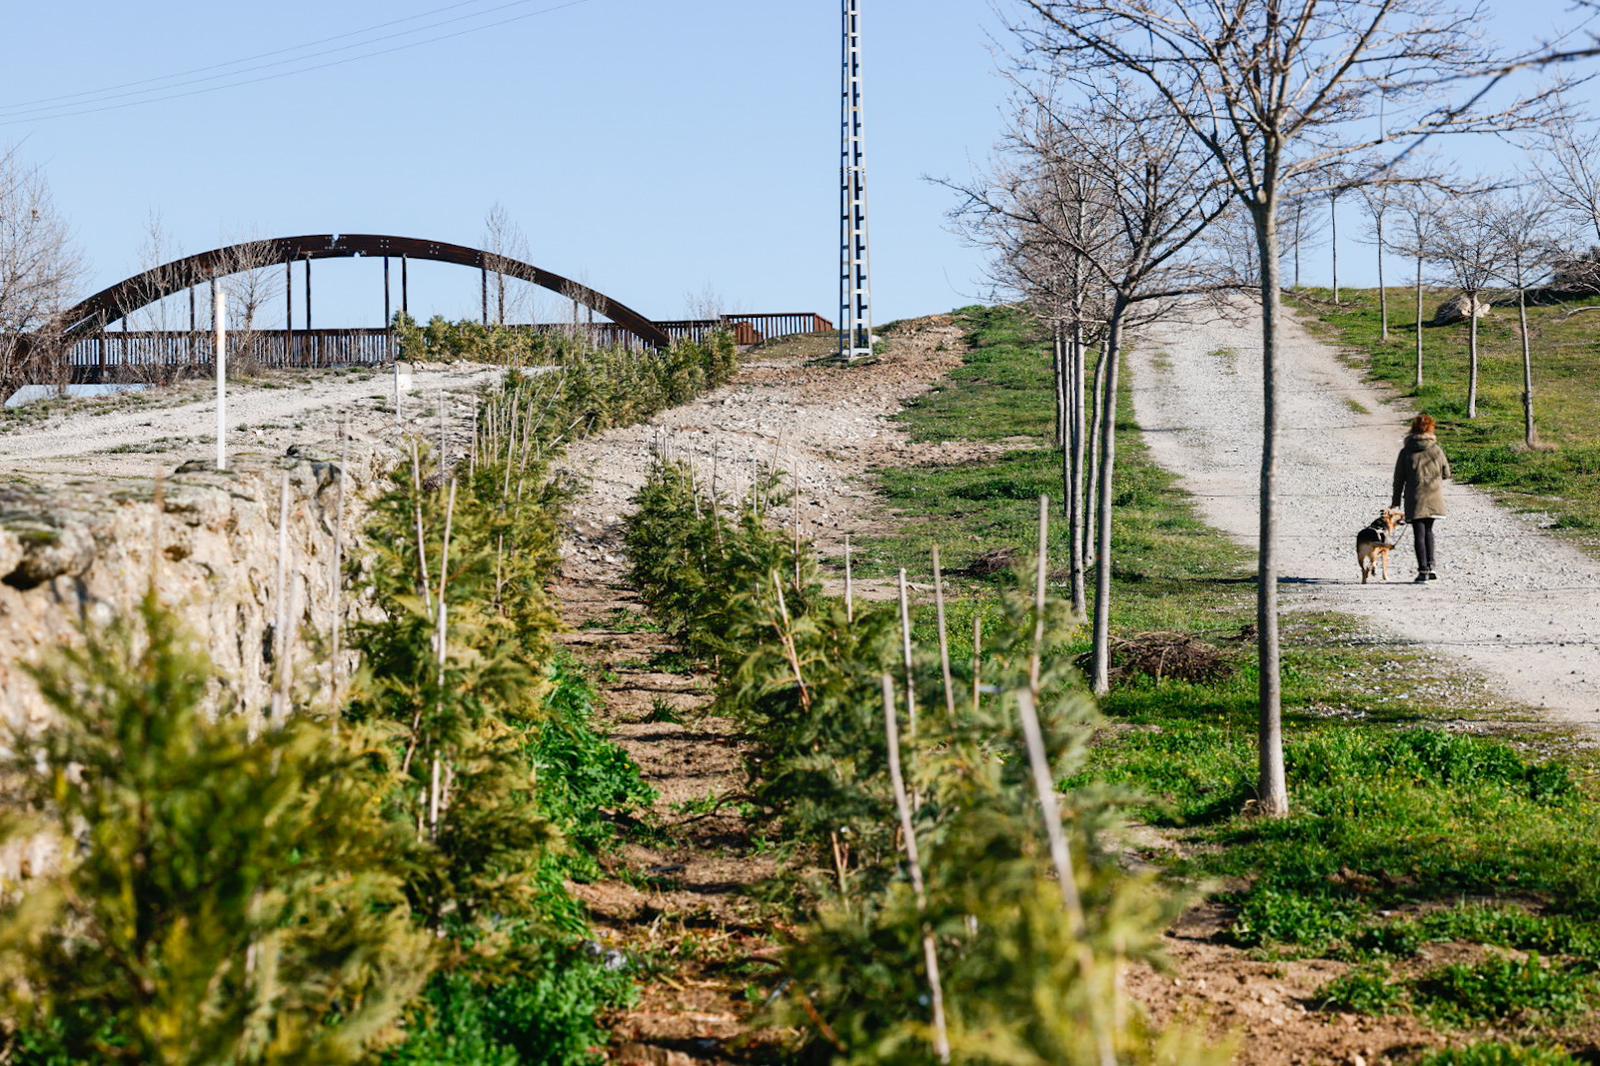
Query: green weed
[1498,1055]
[1499,989]
[1362,992]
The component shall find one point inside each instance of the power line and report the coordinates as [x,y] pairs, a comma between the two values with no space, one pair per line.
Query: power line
[315,67]
[23,104]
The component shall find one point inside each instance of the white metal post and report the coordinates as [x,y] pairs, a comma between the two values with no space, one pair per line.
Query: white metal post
[219,342]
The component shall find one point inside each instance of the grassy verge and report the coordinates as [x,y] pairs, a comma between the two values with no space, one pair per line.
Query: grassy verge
[1405,834]
[1558,478]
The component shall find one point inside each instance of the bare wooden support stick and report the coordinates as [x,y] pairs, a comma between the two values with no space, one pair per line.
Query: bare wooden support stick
[930,952]
[786,636]
[433,801]
[422,548]
[336,566]
[977,662]
[443,428]
[1061,857]
[286,673]
[1036,659]
[905,641]
[280,597]
[849,584]
[944,637]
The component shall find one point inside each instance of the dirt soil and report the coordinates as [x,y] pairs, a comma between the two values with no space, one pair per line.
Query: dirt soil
[688,903]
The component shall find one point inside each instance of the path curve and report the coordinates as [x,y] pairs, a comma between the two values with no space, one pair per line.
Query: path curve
[1515,603]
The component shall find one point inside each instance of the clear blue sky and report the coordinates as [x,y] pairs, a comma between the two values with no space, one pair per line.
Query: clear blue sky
[653,148]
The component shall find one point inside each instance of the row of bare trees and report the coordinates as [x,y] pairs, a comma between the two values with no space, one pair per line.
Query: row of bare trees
[1162,149]
[39,268]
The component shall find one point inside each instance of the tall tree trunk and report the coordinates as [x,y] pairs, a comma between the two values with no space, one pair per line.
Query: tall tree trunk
[1419,323]
[1100,673]
[1472,355]
[1383,293]
[1072,473]
[1333,243]
[1094,453]
[1273,789]
[1530,434]
[1058,371]
[1299,237]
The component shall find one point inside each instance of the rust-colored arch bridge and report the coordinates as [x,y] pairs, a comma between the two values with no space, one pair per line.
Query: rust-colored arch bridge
[96,353]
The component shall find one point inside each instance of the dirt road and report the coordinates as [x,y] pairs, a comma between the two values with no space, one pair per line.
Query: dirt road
[1514,604]
[690,898]
[149,434]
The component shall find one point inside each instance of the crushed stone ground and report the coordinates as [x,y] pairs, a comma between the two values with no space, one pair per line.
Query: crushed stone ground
[1514,603]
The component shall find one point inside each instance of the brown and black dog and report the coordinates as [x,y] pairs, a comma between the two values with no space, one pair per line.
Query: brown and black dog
[1375,542]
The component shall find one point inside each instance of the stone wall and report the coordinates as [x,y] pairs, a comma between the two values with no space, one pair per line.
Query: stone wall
[76,551]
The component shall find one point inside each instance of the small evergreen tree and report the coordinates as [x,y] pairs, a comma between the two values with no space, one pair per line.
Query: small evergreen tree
[215,897]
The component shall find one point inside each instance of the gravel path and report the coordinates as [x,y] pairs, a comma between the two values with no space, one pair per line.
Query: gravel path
[151,433]
[1514,603]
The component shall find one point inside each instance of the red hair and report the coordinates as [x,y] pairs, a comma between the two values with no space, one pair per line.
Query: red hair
[1423,424]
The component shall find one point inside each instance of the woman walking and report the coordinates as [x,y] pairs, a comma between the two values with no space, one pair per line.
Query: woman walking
[1419,476]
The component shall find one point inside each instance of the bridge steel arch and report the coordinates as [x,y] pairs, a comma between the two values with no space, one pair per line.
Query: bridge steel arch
[141,290]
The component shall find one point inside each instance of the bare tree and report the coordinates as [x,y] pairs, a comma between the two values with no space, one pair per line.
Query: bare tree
[1276,90]
[1522,225]
[1158,193]
[1333,240]
[254,279]
[505,240]
[1302,231]
[1419,207]
[39,268]
[1379,198]
[1469,247]
[1035,189]
[1567,158]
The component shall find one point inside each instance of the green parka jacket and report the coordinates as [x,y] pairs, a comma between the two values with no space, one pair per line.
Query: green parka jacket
[1419,476]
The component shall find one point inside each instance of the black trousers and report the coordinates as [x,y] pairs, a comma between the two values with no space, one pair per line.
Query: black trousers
[1422,540]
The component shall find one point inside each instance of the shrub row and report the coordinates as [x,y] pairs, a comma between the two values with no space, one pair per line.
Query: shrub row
[803,673]
[383,879]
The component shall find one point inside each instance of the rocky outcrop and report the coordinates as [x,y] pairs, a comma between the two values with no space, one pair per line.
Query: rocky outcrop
[1457,308]
[82,551]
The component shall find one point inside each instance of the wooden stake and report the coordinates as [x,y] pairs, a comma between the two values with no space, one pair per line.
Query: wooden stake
[1061,857]
[422,549]
[977,662]
[905,640]
[849,584]
[286,674]
[433,802]
[944,637]
[1036,659]
[279,596]
[930,954]
[336,565]
[786,635]
[443,461]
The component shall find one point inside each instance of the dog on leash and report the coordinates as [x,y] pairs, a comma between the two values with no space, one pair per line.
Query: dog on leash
[1375,542]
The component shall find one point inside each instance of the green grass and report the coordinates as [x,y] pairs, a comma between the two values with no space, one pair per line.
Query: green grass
[1396,820]
[1489,450]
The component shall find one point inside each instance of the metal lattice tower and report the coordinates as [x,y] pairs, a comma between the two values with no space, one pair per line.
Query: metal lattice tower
[855,254]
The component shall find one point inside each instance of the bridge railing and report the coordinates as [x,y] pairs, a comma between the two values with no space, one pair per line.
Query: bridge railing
[153,355]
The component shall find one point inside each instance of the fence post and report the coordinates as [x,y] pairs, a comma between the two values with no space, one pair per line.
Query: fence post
[219,341]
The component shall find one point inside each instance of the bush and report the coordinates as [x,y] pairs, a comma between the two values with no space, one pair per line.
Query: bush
[201,910]
[804,678]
